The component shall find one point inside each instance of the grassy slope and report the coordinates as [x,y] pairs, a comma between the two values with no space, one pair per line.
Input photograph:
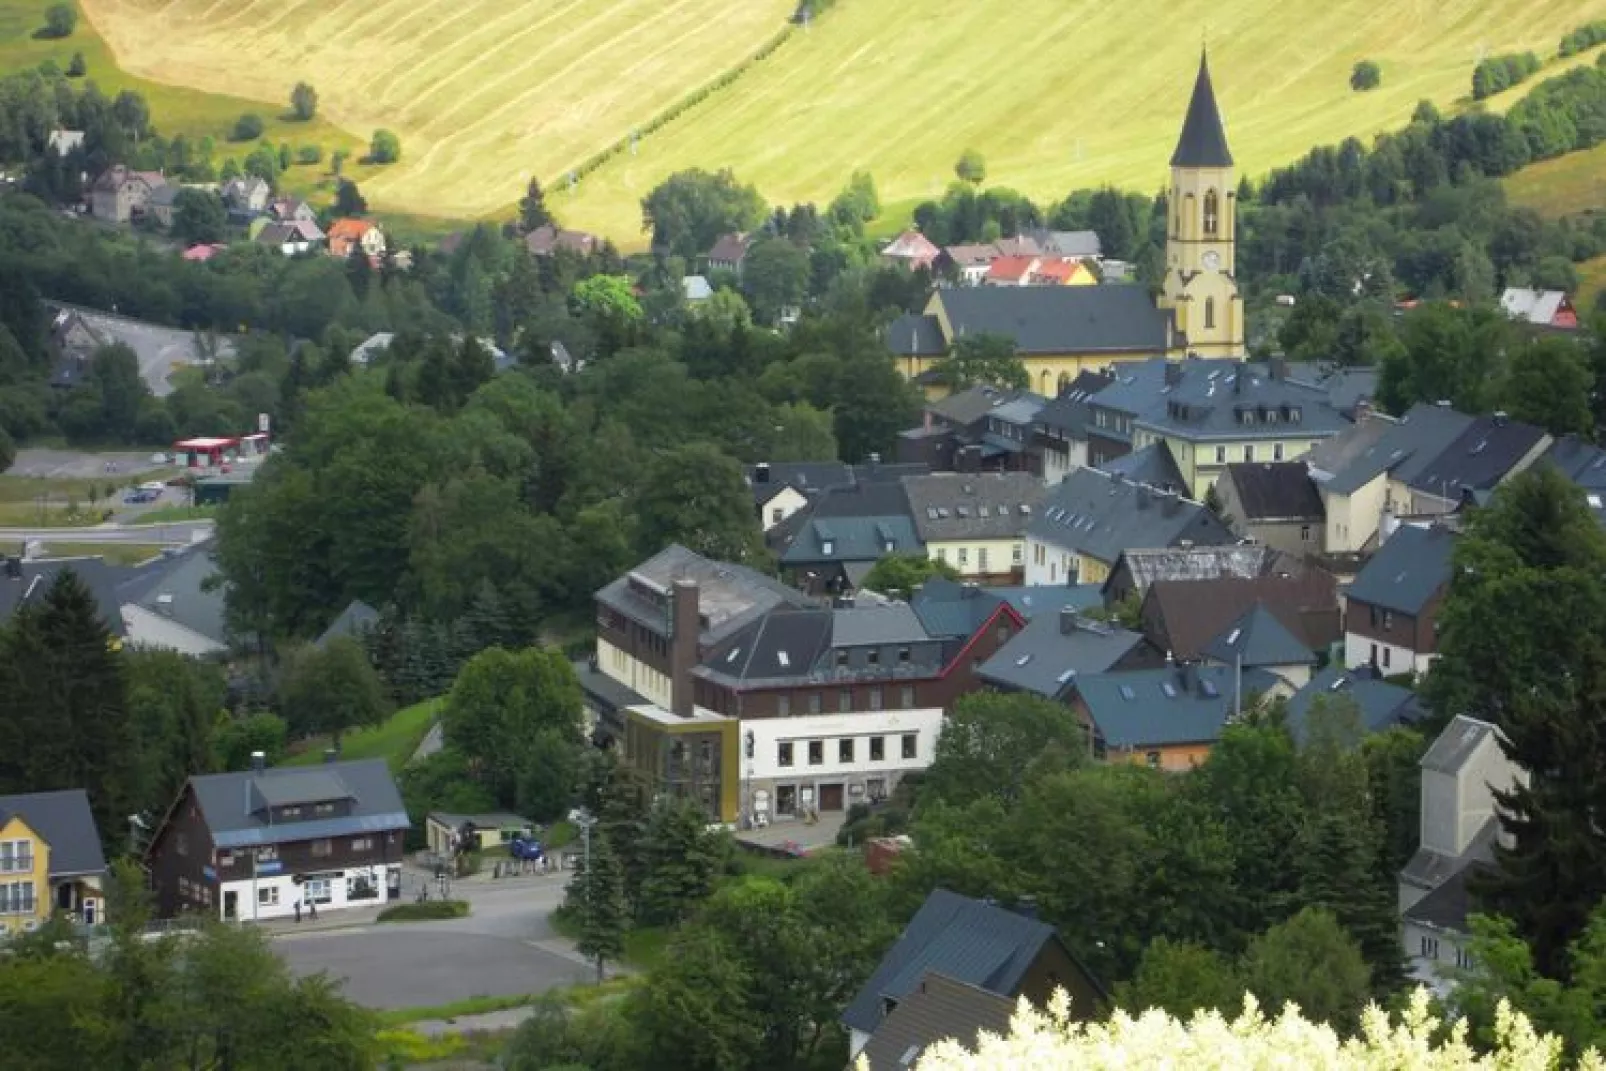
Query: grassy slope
[481,92]
[1058,95]
[395,740]
[173,109]
[1565,186]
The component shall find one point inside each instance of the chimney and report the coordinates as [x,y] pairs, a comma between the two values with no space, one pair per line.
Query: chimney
[1277,368]
[1363,410]
[1500,418]
[1067,620]
[1187,678]
[259,761]
[875,459]
[331,754]
[1143,496]
[761,472]
[1173,373]
[1238,377]
[1026,907]
[684,629]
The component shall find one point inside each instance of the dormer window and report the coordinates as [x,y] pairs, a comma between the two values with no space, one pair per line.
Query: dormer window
[828,547]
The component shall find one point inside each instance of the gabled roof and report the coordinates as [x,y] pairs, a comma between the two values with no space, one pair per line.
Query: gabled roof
[951,610]
[355,620]
[1022,245]
[102,580]
[967,940]
[348,229]
[973,255]
[546,239]
[973,505]
[730,597]
[770,478]
[233,804]
[1136,386]
[1479,458]
[1100,516]
[1146,708]
[844,539]
[1011,269]
[1458,742]
[63,819]
[1447,906]
[1216,400]
[1204,140]
[938,1009]
[1048,599]
[1152,465]
[1533,306]
[1068,243]
[1258,638]
[914,335]
[730,249]
[178,587]
[1275,491]
[1069,412]
[1058,319]
[976,403]
[1381,705]
[911,245]
[1245,561]
[1411,567]
[1400,448]
[1048,656]
[1188,614]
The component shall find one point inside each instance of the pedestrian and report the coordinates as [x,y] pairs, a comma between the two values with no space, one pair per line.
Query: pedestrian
[298,910]
[312,906]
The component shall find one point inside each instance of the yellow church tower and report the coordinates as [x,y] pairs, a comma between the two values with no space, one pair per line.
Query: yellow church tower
[1200,249]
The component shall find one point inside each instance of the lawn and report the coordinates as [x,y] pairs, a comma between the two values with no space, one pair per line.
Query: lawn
[114,553]
[645,946]
[175,515]
[1058,95]
[482,93]
[1565,186]
[1591,284]
[395,740]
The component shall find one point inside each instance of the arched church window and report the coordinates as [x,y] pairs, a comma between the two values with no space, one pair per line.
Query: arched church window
[1212,208]
[1210,310]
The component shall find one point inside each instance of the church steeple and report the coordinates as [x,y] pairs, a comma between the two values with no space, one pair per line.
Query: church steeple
[1204,140]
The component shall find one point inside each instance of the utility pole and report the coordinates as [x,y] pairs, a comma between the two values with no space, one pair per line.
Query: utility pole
[585,820]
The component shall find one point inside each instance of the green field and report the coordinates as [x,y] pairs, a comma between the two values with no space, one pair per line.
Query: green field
[1566,186]
[394,741]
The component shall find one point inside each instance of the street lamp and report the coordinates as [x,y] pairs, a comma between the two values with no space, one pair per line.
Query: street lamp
[585,820]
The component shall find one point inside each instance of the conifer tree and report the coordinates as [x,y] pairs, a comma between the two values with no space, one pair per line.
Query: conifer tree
[599,895]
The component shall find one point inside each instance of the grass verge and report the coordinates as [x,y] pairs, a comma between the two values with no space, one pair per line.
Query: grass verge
[114,553]
[428,911]
[645,946]
[175,515]
[457,1009]
[394,740]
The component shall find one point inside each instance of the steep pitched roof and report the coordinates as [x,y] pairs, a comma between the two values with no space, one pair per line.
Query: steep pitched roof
[355,620]
[1381,705]
[1479,458]
[1188,614]
[1401,448]
[914,335]
[1234,401]
[972,255]
[1409,569]
[770,478]
[1258,638]
[938,1009]
[952,610]
[178,587]
[1276,491]
[101,579]
[1145,708]
[1048,599]
[820,538]
[1247,560]
[979,505]
[1457,743]
[911,245]
[730,249]
[730,597]
[1204,140]
[66,823]
[1070,412]
[1059,319]
[968,940]
[1532,306]
[1152,465]
[1053,650]
[1101,516]
[1011,269]
[1447,906]
[233,804]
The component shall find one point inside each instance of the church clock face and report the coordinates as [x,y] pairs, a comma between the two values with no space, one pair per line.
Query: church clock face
[1212,260]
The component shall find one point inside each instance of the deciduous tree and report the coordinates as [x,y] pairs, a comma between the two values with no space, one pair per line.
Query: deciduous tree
[983,359]
[304,101]
[899,575]
[1311,962]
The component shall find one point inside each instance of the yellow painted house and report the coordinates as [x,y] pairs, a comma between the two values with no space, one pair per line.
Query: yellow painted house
[1062,331]
[50,860]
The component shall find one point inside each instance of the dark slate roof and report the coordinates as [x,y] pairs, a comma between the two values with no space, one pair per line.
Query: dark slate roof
[861,539]
[1582,462]
[1447,907]
[355,620]
[1069,412]
[952,610]
[1258,638]
[1045,599]
[1428,869]
[1382,705]
[968,940]
[1192,613]
[1409,569]
[1456,744]
[770,478]
[914,335]
[979,505]
[1134,388]
[938,1009]
[1145,708]
[1050,653]
[1346,388]
[1479,458]
[102,580]
[233,804]
[874,624]
[1060,319]
[177,586]
[1204,140]
[1403,449]
[1101,516]
[65,822]
[1275,491]
[785,643]
[1153,465]
[730,597]
[1233,401]
[975,403]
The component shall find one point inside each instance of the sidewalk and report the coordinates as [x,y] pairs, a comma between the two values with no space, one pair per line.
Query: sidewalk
[349,918]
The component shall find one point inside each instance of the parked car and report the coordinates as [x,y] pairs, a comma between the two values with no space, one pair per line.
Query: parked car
[153,486]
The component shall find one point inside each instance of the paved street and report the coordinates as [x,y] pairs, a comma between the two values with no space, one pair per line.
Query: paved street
[161,350]
[177,533]
[505,947]
[82,464]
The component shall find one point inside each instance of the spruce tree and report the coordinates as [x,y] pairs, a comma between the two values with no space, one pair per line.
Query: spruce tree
[533,212]
[600,898]
[681,860]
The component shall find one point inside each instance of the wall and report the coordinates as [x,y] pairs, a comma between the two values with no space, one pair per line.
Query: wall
[1353,519]
[1475,805]
[1174,758]
[1391,658]
[1433,954]
[633,673]
[181,849]
[1005,557]
[146,628]
[1202,464]
[275,896]
[762,773]
[786,503]
[38,876]
[1054,565]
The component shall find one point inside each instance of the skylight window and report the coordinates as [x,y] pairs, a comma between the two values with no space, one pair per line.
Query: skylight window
[1127,693]
[1024,508]
[1169,689]
[1065,678]
[984,511]
[1594,502]
[735,651]
[1209,689]
[1339,683]
[784,659]
[1023,659]
[1232,637]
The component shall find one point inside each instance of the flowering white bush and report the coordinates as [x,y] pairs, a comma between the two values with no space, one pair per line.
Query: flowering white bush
[1039,1041]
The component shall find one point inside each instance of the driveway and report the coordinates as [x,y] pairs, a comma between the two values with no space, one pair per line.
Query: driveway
[160,350]
[506,947]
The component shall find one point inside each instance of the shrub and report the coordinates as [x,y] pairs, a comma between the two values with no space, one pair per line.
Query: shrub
[76,67]
[427,911]
[309,154]
[247,127]
[1502,72]
[1584,38]
[60,21]
[1366,75]
[385,148]
[304,101]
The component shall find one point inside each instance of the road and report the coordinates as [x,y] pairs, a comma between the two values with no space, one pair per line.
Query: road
[178,533]
[505,947]
[43,462]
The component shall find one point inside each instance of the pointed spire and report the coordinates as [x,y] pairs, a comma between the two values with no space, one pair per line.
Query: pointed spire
[1204,141]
